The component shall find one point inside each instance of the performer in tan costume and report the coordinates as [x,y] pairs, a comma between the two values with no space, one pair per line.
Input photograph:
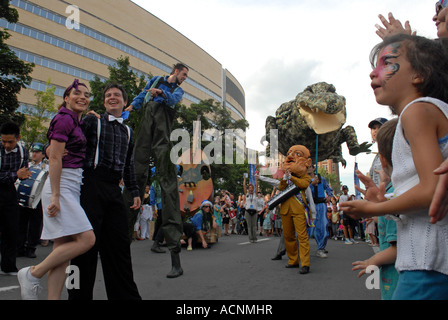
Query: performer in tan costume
[293,211]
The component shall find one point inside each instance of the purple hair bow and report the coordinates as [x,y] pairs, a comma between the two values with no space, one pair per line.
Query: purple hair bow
[75,85]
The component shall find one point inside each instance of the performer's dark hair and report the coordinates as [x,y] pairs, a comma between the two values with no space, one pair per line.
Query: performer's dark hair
[179,66]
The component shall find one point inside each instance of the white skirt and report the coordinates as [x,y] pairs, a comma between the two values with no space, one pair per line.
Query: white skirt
[71,219]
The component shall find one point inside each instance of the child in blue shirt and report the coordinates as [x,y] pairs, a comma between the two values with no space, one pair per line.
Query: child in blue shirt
[387,228]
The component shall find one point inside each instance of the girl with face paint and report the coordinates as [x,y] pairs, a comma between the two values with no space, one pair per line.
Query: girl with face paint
[410,77]
[439,206]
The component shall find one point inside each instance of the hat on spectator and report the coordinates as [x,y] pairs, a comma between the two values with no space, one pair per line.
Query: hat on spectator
[380,121]
[206,202]
[37,147]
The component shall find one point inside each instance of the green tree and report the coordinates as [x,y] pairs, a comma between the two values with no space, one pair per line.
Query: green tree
[212,115]
[14,73]
[35,127]
[332,179]
[185,116]
[229,176]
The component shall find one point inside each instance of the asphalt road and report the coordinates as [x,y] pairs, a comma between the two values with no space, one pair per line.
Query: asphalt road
[233,270]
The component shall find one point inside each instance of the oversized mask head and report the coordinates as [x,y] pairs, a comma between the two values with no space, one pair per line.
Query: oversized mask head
[297,160]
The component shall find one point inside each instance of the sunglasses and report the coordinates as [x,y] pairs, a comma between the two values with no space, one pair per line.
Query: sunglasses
[440,5]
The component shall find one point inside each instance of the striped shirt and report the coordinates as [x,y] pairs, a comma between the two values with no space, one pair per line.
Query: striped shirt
[116,149]
[10,163]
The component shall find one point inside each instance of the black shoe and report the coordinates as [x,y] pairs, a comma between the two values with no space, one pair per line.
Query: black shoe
[156,248]
[277,257]
[304,270]
[176,270]
[292,266]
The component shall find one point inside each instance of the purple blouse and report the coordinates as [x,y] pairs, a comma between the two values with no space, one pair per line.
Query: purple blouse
[65,127]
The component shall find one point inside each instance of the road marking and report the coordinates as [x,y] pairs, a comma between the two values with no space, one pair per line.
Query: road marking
[9,288]
[243,243]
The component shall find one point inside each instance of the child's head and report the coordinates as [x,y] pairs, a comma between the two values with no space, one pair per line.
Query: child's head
[385,139]
[375,125]
[345,189]
[217,199]
[402,61]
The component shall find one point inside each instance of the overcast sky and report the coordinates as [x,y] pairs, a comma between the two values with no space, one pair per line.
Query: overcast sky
[276,48]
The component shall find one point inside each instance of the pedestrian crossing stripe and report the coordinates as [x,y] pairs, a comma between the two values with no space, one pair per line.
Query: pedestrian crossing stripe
[243,243]
[9,288]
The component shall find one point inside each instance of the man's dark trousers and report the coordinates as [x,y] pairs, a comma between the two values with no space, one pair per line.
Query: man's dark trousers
[153,139]
[103,203]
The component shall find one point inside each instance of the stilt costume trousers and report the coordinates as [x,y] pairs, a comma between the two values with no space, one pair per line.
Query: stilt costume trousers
[153,139]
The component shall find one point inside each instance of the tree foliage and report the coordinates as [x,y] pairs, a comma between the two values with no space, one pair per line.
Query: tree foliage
[14,73]
[332,179]
[35,127]
[213,116]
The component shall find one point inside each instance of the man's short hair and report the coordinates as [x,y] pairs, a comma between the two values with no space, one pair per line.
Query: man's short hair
[10,128]
[180,67]
[115,85]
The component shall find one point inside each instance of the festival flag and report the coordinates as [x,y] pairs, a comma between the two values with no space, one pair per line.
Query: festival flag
[357,193]
[252,168]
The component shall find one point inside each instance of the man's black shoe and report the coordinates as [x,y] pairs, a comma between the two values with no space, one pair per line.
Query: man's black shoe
[304,270]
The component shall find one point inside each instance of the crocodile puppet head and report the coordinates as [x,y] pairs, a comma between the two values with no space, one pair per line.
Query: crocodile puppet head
[317,111]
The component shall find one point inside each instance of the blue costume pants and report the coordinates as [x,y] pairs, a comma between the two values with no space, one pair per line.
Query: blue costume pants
[320,229]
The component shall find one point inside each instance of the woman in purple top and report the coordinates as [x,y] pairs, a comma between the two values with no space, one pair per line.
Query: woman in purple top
[65,221]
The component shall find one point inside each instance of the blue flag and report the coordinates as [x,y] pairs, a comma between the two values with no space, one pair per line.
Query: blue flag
[252,174]
[357,193]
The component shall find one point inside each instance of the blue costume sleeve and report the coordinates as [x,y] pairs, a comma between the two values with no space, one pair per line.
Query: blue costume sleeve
[172,98]
[327,187]
[138,100]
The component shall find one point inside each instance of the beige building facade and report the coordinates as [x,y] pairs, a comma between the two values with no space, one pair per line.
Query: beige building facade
[81,38]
